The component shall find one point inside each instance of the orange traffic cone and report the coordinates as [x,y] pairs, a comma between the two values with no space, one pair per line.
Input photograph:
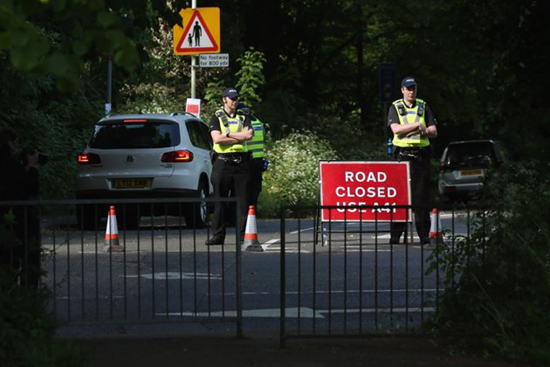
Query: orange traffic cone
[111,233]
[251,242]
[436,230]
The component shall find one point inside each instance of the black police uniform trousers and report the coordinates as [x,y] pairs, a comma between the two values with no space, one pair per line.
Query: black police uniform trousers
[419,163]
[255,183]
[228,175]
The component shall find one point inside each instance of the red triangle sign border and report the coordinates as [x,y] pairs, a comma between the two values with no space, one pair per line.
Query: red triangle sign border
[179,47]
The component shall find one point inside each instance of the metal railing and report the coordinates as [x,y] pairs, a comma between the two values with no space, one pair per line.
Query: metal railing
[339,279]
[162,273]
[347,279]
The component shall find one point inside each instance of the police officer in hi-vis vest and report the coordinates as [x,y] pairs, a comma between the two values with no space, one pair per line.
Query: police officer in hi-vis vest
[256,148]
[229,132]
[413,125]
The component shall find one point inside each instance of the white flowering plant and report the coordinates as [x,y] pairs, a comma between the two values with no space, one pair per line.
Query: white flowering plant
[293,174]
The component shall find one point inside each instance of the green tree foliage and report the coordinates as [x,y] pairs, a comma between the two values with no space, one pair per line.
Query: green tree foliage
[48,46]
[213,97]
[477,72]
[498,283]
[49,121]
[251,77]
[474,64]
[57,36]
[250,80]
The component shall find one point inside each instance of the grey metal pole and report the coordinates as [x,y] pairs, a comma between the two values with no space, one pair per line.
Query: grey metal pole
[193,75]
[385,123]
[109,85]
[193,63]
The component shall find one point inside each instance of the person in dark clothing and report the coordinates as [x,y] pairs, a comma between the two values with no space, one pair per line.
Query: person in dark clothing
[229,131]
[20,181]
[413,125]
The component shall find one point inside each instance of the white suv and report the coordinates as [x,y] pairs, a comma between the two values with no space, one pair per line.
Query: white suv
[145,156]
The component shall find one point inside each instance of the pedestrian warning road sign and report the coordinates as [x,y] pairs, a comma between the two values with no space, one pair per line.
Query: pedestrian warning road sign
[200,33]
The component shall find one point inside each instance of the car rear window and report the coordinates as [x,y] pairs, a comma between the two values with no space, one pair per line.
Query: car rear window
[135,135]
[481,153]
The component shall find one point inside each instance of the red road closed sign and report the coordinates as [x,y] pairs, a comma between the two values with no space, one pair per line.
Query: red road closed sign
[383,184]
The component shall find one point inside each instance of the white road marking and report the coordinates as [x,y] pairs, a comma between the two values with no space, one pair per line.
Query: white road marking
[266,245]
[380,310]
[175,275]
[79,297]
[302,230]
[291,293]
[295,312]
[231,294]
[288,251]
[267,312]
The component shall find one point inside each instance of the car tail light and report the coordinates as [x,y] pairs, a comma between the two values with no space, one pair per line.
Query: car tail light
[134,121]
[177,156]
[445,167]
[89,158]
[450,188]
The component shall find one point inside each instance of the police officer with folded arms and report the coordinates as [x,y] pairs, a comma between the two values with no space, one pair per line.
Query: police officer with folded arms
[413,125]
[229,131]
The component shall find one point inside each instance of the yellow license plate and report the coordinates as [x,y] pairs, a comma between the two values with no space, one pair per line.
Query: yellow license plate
[131,183]
[471,172]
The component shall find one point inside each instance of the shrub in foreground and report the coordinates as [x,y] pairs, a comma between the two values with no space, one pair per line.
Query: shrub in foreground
[498,284]
[26,328]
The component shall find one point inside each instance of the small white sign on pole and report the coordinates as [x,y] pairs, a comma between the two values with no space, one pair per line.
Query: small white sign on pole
[193,106]
[214,60]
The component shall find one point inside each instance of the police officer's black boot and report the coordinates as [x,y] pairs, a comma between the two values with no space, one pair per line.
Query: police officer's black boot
[215,241]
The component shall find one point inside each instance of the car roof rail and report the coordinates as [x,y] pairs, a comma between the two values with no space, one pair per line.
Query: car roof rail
[180,113]
[108,116]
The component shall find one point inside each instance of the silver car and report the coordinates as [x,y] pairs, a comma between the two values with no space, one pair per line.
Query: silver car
[145,156]
[463,166]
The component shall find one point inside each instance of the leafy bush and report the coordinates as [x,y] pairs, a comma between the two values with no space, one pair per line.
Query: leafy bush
[26,328]
[351,142]
[498,283]
[293,174]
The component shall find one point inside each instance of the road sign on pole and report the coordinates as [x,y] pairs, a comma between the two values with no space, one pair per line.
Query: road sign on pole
[200,32]
[214,61]
[387,82]
[387,91]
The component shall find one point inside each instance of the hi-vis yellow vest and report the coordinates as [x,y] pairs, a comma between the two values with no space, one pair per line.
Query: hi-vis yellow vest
[255,146]
[235,125]
[410,116]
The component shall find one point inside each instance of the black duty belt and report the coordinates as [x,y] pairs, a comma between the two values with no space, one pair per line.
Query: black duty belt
[410,153]
[409,150]
[233,158]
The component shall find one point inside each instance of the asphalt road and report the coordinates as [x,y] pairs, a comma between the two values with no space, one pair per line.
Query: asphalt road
[350,280]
